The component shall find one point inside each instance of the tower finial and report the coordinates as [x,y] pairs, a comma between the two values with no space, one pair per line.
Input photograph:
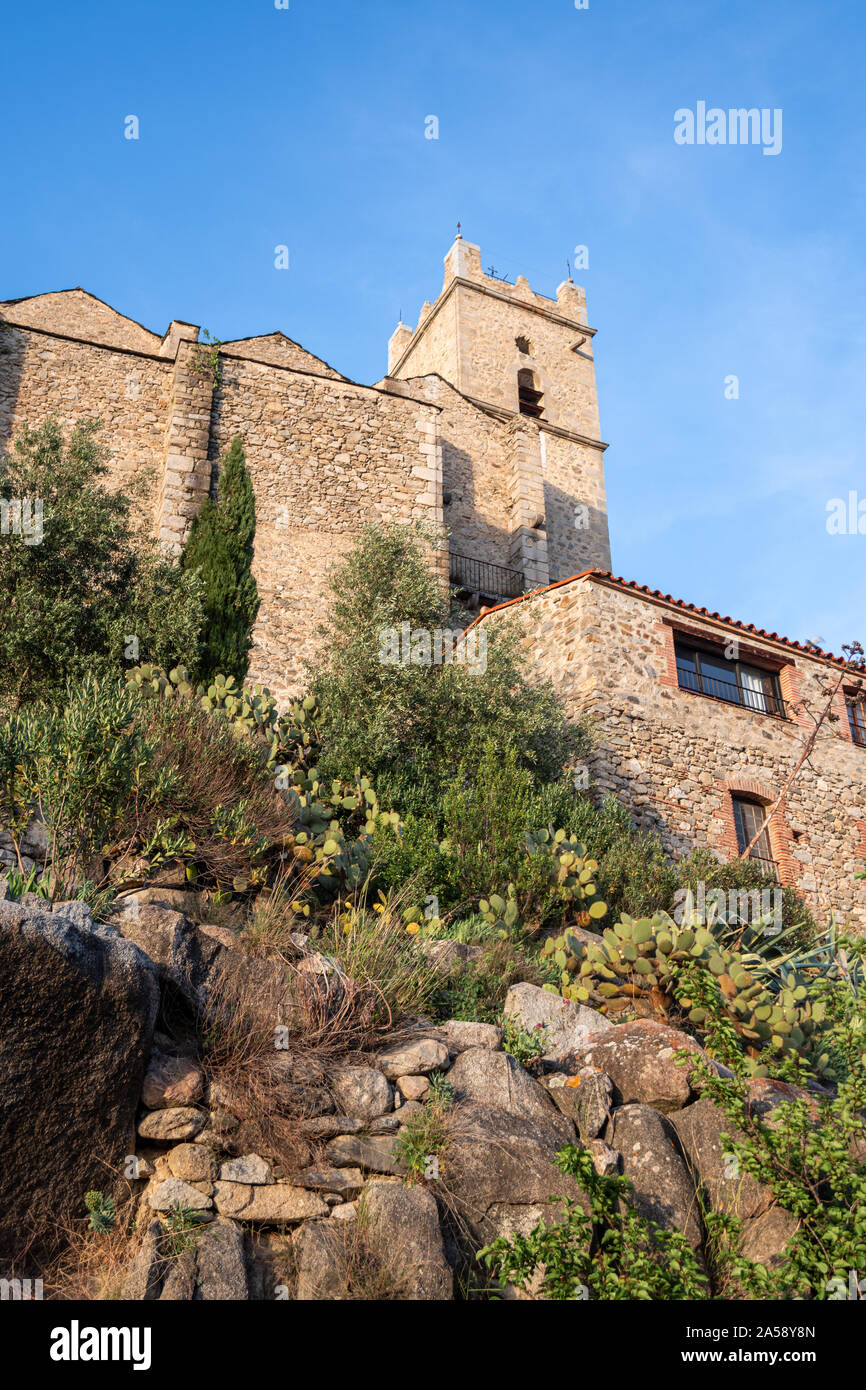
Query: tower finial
[459,232]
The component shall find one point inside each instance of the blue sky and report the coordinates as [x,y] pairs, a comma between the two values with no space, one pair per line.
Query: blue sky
[305,127]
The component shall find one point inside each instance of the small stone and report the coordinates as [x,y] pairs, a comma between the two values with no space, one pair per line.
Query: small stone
[463,1035]
[250,1169]
[344,1181]
[191,1162]
[561,1024]
[347,1212]
[221,1263]
[362,1091]
[348,1151]
[172,1190]
[171,1126]
[413,1087]
[605,1160]
[328,1126]
[271,1203]
[145,1273]
[411,1058]
[224,935]
[586,1098]
[179,1286]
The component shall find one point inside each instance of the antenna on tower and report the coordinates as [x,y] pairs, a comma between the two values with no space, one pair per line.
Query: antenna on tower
[568,263]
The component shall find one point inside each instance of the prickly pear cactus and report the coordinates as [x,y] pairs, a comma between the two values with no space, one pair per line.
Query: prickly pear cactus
[641,960]
[500,912]
[571,883]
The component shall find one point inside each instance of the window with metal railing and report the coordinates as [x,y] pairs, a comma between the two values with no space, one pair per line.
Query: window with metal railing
[710,673]
[857,717]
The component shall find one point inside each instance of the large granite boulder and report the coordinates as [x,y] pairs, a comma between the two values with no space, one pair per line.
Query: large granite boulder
[504,1133]
[642,1061]
[79,1008]
[663,1188]
[562,1025]
[212,977]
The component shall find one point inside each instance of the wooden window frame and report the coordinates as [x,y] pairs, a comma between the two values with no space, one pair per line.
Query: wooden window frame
[855,706]
[695,648]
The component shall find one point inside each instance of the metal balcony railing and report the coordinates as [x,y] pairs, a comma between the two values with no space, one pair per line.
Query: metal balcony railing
[761,701]
[482,577]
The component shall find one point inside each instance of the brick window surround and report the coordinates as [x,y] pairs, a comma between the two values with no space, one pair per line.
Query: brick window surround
[780,835]
[786,672]
[840,707]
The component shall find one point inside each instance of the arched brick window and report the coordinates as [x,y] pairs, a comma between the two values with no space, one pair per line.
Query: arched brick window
[745,804]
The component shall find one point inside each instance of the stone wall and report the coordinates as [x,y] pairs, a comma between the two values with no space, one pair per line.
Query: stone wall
[475,472]
[575,505]
[42,374]
[325,457]
[675,757]
[77,314]
[325,454]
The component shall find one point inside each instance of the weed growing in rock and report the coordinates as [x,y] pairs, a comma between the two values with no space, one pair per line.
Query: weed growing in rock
[609,1253]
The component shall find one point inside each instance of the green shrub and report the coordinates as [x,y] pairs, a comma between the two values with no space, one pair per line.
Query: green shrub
[477,993]
[219,549]
[611,1253]
[73,602]
[409,727]
[424,1139]
[746,875]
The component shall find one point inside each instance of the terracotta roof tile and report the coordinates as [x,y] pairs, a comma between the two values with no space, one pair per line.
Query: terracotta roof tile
[681,604]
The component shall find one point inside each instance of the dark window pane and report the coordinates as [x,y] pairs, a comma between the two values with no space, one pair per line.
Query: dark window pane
[749,817]
[857,720]
[719,678]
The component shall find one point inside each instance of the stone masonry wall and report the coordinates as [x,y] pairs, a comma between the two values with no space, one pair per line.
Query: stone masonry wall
[42,375]
[475,473]
[575,505]
[675,756]
[325,457]
[77,314]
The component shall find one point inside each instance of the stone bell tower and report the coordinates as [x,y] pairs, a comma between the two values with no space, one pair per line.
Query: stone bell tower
[525,362]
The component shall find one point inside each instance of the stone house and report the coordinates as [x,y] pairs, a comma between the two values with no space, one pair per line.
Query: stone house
[701,719]
[486,427]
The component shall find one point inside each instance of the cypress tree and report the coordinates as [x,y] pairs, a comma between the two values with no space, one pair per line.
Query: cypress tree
[220,547]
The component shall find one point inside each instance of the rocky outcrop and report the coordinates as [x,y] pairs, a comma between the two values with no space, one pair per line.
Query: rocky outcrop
[561,1025]
[348,1207]
[79,1008]
[642,1062]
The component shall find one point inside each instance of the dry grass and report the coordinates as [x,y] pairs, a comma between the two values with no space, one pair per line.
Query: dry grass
[274,1031]
[92,1266]
[215,769]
